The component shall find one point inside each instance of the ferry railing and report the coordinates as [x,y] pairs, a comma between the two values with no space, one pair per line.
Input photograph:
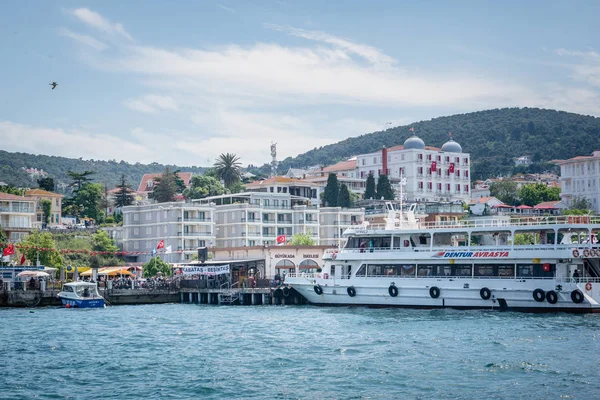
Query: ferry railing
[461,277]
[538,247]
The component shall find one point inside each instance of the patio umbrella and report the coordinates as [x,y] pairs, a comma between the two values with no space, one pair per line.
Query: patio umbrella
[34,274]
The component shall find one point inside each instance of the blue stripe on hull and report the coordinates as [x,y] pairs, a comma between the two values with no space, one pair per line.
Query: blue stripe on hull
[92,303]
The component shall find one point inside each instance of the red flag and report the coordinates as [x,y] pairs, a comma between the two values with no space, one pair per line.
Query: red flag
[9,251]
[22,259]
[281,239]
[160,245]
[433,166]
[451,169]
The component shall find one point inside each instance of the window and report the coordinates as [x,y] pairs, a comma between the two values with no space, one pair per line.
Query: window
[429,185]
[165,229]
[136,217]
[457,188]
[448,187]
[439,187]
[374,160]
[428,157]
[466,173]
[447,159]
[420,157]
[266,202]
[458,173]
[466,160]
[148,216]
[401,170]
[420,185]
[420,170]
[136,231]
[363,161]
[466,190]
[148,230]
[136,245]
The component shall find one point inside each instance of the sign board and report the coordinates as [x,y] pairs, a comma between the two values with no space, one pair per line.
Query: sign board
[205,270]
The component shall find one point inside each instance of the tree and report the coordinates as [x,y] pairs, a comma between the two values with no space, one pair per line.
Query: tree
[46,184]
[384,188]
[579,206]
[203,186]
[88,197]
[537,193]
[102,242]
[33,244]
[156,265]
[344,197]
[46,210]
[124,196]
[331,192]
[370,189]
[79,178]
[3,237]
[237,187]
[166,187]
[227,168]
[505,191]
[301,239]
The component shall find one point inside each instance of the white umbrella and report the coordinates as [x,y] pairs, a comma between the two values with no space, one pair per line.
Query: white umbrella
[35,274]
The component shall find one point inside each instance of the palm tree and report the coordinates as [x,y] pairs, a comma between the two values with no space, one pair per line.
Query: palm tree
[227,168]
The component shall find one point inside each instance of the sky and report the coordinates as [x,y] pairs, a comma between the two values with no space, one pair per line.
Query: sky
[181,82]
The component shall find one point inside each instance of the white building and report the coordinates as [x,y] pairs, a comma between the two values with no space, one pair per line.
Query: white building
[580,178]
[346,173]
[523,160]
[432,174]
[17,214]
[333,221]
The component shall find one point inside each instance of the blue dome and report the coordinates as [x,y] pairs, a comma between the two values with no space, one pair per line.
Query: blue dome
[451,147]
[414,142]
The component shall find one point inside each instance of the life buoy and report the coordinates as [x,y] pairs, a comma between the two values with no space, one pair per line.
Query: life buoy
[551,297]
[576,253]
[577,296]
[351,291]
[434,292]
[318,290]
[588,286]
[393,290]
[485,293]
[539,295]
[586,253]
[594,253]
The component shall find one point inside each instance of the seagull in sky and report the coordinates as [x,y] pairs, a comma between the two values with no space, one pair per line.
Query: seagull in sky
[54,85]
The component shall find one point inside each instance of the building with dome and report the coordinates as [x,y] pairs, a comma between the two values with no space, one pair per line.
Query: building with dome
[432,174]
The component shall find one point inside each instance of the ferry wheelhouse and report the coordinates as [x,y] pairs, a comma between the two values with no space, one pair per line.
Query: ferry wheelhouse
[540,263]
[81,295]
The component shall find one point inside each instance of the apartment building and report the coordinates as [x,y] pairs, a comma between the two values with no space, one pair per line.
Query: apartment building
[17,214]
[56,211]
[580,178]
[291,186]
[432,174]
[258,218]
[346,173]
[333,221]
[183,226]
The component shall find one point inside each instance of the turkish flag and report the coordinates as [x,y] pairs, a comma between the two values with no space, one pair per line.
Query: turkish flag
[22,259]
[451,169]
[160,245]
[9,251]
[433,166]
[281,239]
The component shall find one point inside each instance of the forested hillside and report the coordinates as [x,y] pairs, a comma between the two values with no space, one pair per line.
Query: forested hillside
[492,137]
[106,172]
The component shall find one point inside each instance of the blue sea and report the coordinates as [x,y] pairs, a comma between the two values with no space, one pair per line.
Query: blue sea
[183,351]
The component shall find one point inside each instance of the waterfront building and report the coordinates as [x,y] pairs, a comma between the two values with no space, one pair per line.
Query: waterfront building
[17,214]
[183,226]
[56,212]
[580,179]
[432,174]
[346,173]
[291,186]
[148,182]
[483,205]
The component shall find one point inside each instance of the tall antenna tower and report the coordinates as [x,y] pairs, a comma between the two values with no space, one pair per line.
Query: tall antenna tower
[273,159]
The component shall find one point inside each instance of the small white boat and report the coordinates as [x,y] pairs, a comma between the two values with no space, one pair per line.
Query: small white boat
[81,295]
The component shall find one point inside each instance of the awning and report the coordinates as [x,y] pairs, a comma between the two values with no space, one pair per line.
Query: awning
[109,271]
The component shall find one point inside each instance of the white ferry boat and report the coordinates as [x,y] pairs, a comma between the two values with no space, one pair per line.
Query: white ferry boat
[539,264]
[81,295]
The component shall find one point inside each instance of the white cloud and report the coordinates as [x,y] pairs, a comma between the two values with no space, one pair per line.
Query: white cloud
[228,9]
[587,69]
[84,39]
[152,103]
[97,21]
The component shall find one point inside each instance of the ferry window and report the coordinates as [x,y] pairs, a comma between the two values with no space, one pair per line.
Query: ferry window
[374,270]
[424,270]
[525,270]
[422,239]
[396,242]
[484,270]
[386,242]
[506,271]
[390,270]
[407,270]
[362,271]
[442,270]
[462,270]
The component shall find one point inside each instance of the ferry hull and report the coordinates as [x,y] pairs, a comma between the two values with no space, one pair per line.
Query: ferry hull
[91,303]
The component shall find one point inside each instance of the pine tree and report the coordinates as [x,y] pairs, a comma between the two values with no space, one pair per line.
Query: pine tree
[370,190]
[166,187]
[124,195]
[332,190]
[384,188]
[344,197]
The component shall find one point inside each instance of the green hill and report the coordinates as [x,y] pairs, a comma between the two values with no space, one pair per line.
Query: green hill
[106,172]
[492,137]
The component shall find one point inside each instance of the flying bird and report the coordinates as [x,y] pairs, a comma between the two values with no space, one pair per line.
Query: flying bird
[54,85]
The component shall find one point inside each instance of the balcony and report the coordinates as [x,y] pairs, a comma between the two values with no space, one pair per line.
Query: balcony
[194,234]
[251,220]
[192,219]
[17,209]
[268,235]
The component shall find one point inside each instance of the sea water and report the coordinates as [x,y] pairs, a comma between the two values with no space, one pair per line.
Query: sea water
[284,352]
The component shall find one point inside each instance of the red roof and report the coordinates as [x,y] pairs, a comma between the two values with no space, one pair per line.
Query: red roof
[523,207]
[547,205]
[341,166]
[185,177]
[6,196]
[502,206]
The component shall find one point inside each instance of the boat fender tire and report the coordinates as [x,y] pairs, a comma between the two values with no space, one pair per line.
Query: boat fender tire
[588,286]
[551,297]
[286,291]
[539,295]
[351,291]
[577,296]
[434,292]
[485,293]
[278,293]
[318,290]
[393,291]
